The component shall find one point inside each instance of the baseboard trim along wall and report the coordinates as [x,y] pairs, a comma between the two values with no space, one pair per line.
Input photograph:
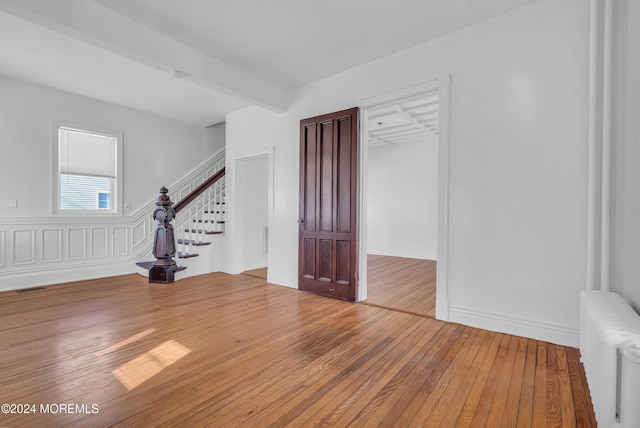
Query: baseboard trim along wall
[403,255]
[62,274]
[560,335]
[286,280]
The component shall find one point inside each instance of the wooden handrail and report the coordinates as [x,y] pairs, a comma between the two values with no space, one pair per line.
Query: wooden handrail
[198,190]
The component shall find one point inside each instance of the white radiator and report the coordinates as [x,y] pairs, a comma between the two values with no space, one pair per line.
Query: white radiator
[610,349]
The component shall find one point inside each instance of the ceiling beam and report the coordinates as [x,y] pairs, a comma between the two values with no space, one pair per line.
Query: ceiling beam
[94,24]
[410,118]
[432,104]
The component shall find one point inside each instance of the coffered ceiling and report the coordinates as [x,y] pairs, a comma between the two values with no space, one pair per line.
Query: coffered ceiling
[408,121]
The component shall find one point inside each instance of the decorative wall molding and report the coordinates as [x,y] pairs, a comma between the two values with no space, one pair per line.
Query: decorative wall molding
[139,231]
[3,248]
[120,241]
[77,247]
[48,250]
[99,242]
[51,245]
[24,247]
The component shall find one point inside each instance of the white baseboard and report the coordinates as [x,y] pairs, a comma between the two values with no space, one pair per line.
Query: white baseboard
[17,281]
[285,280]
[518,327]
[442,309]
[403,255]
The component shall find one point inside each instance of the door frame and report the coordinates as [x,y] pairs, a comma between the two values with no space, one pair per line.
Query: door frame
[240,157]
[442,85]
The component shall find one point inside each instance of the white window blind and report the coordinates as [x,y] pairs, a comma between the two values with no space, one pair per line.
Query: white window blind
[84,153]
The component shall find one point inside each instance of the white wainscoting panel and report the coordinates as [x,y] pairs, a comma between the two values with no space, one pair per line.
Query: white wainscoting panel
[182,194]
[51,245]
[99,242]
[3,248]
[120,240]
[24,247]
[77,243]
[140,232]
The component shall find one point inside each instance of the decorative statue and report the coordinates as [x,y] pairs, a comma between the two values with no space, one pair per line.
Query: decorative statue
[164,246]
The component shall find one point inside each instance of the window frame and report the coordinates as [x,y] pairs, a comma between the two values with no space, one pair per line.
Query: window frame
[117,190]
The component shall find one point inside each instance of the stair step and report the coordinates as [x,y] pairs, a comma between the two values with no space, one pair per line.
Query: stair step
[145,265]
[193,242]
[206,232]
[149,265]
[186,255]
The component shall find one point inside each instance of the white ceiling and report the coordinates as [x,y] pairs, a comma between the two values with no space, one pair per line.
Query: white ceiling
[234,53]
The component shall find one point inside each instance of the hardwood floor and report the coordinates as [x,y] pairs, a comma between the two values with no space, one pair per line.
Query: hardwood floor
[257,273]
[404,284]
[226,351]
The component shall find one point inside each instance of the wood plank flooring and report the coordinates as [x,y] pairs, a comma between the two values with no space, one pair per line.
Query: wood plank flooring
[233,351]
[257,273]
[403,284]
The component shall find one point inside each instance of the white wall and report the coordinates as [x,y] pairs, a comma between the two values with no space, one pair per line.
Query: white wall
[518,163]
[37,248]
[402,218]
[252,187]
[157,151]
[626,155]
[216,137]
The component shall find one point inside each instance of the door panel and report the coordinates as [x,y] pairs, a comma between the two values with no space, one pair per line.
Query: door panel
[328,231]
[325,260]
[309,212]
[344,178]
[326,177]
[343,258]
[308,261]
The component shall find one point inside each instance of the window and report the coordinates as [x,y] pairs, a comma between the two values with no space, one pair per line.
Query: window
[103,200]
[88,165]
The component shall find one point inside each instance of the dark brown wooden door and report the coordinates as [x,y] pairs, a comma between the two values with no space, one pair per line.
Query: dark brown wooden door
[328,221]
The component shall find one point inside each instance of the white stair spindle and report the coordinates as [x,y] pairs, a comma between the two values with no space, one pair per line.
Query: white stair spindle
[201,205]
[209,218]
[191,225]
[198,216]
[181,234]
[215,206]
[219,207]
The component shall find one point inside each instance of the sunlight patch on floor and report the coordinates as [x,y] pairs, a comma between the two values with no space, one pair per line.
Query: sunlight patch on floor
[149,364]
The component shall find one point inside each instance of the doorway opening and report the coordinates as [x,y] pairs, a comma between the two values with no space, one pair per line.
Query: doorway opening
[403,209]
[253,218]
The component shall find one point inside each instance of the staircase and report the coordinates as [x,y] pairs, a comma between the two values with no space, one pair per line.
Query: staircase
[198,225]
